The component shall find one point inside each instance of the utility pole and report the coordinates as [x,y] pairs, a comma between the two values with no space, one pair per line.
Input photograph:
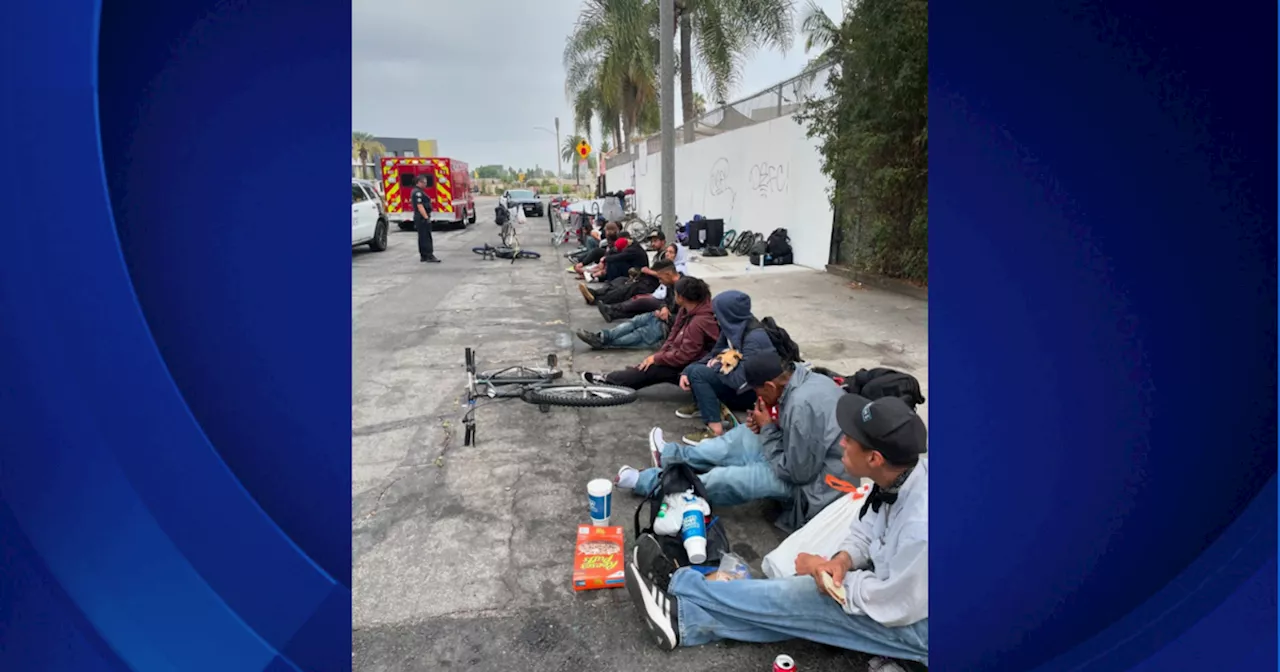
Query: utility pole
[667,19]
[559,181]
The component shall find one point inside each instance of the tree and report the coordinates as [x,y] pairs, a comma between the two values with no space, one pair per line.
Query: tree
[569,152]
[611,61]
[364,146]
[874,134]
[725,33]
[699,105]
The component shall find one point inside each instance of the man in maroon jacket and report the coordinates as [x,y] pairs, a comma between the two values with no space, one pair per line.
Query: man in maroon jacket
[694,332]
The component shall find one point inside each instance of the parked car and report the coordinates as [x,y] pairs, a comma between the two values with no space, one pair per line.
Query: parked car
[368,217]
[524,199]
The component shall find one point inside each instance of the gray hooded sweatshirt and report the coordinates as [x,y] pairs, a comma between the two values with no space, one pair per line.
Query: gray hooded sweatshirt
[803,446]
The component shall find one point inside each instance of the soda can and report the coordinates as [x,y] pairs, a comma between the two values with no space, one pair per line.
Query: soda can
[783,664]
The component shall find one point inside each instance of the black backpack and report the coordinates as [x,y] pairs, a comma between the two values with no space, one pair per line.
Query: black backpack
[675,479]
[782,343]
[879,383]
[778,244]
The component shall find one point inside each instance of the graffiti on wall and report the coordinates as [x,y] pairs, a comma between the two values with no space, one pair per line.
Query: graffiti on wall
[767,178]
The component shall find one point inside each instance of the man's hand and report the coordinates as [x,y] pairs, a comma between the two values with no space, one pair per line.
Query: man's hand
[648,362]
[758,417]
[837,567]
[664,314]
[684,382]
[806,562]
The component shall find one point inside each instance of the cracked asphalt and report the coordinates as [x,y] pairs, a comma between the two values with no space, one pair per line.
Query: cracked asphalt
[462,555]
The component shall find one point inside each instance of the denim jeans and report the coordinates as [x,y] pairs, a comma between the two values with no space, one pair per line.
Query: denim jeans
[775,610]
[645,331]
[736,470]
[709,391]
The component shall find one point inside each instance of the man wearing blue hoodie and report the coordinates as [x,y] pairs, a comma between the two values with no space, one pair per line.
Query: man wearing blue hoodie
[712,387]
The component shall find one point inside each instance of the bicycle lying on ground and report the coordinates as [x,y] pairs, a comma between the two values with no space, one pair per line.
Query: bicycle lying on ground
[509,248]
[534,385]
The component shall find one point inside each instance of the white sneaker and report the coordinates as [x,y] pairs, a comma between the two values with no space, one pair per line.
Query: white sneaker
[879,664]
[627,477]
[655,446]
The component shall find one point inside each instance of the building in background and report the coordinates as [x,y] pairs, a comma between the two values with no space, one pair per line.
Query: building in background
[397,147]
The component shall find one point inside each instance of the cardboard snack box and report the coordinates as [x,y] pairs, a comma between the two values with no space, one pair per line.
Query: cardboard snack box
[597,558]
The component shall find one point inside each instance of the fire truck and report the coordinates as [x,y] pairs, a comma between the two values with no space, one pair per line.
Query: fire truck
[448,187]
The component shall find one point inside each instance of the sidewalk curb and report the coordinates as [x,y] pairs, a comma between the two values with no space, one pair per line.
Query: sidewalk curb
[880,282]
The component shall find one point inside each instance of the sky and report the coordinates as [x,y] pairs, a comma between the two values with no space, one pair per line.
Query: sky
[478,75]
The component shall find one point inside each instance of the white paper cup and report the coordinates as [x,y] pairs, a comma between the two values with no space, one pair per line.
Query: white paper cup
[600,498]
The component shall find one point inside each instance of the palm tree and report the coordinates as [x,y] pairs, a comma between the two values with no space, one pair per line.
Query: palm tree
[363,146]
[569,152]
[726,32]
[611,60]
[821,33]
[699,105]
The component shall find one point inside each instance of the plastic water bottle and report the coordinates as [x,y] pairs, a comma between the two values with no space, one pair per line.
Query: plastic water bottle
[669,515]
[694,528]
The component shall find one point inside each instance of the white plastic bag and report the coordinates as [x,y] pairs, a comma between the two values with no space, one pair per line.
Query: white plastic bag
[820,536]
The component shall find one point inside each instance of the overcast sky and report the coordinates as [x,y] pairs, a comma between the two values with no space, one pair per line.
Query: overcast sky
[478,75]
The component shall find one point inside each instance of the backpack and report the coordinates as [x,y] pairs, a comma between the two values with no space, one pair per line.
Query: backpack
[879,383]
[778,243]
[678,478]
[782,343]
[759,247]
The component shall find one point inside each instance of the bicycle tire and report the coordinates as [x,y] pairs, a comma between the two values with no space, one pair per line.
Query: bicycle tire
[727,240]
[580,396]
[528,254]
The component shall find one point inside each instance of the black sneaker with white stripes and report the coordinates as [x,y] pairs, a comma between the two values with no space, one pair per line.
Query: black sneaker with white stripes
[648,577]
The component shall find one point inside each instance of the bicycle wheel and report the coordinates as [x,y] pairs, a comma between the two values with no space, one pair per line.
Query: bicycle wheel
[528,254]
[728,239]
[580,396]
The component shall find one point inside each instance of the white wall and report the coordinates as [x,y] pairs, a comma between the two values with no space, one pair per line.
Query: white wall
[757,178]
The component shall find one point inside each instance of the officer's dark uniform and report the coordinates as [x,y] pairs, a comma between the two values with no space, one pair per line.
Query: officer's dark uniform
[426,249]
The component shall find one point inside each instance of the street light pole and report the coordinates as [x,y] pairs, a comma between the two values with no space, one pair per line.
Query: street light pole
[666,62]
[559,180]
[556,135]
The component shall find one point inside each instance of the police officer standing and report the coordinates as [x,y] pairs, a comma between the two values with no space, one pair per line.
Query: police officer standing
[422,220]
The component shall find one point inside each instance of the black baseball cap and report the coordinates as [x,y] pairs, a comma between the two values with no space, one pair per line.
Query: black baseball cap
[886,425]
[657,233]
[762,368]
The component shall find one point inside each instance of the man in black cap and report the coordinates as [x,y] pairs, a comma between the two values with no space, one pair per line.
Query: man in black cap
[869,597]
[786,460]
[422,219]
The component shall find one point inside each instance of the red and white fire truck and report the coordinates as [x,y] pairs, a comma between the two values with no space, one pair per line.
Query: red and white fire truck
[448,187]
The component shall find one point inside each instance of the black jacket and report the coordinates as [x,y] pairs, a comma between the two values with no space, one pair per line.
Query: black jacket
[632,256]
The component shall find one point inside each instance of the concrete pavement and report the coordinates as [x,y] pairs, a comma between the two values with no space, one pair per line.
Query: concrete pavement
[462,555]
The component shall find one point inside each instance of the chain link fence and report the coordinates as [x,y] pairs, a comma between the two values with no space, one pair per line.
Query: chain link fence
[778,100]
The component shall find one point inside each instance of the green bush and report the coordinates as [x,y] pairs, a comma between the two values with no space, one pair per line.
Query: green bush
[874,137]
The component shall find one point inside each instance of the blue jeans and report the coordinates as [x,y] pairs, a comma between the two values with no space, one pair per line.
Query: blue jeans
[736,470]
[775,610]
[709,391]
[644,331]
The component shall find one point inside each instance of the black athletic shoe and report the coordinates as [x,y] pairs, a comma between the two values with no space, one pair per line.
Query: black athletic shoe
[605,311]
[648,577]
[432,260]
[591,339]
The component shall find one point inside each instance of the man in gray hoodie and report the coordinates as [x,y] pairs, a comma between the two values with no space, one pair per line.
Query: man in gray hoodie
[787,460]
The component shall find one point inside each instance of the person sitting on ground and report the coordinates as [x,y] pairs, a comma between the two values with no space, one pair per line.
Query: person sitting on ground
[643,331]
[624,287]
[713,390]
[878,599]
[619,265]
[691,336]
[786,461]
[662,274]
[647,303]
[593,257]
